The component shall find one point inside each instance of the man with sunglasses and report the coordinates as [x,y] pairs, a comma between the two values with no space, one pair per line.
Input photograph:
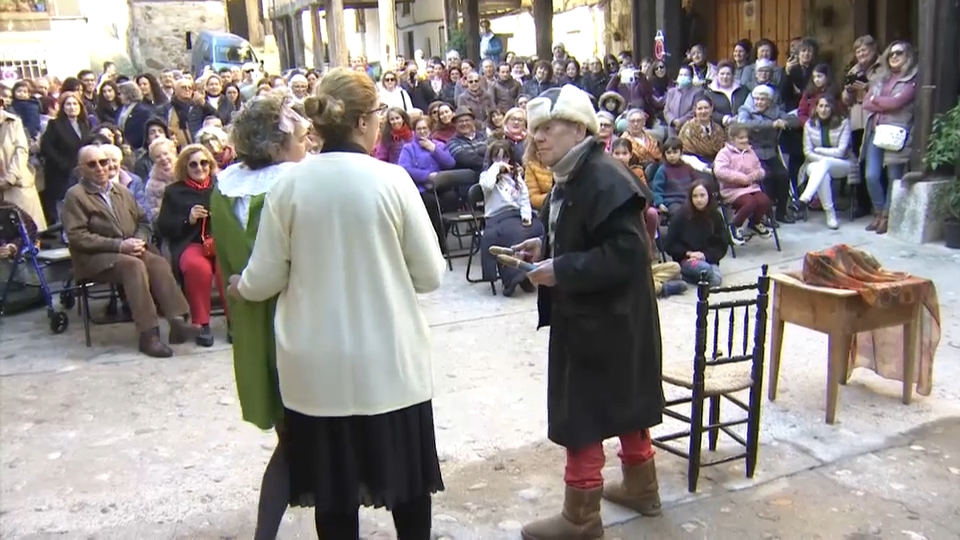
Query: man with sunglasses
[108,236]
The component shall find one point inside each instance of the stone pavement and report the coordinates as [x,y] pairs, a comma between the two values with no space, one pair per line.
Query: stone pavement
[104,443]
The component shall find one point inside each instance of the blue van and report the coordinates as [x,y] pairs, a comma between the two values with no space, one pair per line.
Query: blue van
[218,50]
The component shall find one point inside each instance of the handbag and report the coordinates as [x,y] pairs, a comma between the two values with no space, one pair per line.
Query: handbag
[209,250]
[889,137]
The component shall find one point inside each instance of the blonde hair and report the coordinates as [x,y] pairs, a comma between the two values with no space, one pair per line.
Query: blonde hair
[181,167]
[159,144]
[342,98]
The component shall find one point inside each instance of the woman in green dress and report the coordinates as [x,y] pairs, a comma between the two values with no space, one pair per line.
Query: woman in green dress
[268,137]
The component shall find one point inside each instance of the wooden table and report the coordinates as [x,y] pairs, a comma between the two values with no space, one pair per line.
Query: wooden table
[839,313]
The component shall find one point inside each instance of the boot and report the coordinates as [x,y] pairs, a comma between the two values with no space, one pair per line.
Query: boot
[181,331]
[831,216]
[638,491]
[883,224]
[579,520]
[875,223]
[151,345]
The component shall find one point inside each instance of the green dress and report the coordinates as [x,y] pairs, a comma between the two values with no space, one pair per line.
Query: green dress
[251,323]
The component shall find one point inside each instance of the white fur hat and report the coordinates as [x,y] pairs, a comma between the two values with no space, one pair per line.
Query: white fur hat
[568,103]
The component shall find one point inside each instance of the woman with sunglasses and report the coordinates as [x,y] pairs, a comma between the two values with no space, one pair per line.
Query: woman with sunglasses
[184,224]
[392,94]
[890,106]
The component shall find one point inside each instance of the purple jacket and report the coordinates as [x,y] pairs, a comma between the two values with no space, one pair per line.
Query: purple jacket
[420,164]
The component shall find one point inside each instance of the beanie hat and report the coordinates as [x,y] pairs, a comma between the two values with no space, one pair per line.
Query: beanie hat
[567,103]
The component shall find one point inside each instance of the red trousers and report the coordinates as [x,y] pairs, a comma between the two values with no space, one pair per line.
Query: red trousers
[585,465]
[651,220]
[198,273]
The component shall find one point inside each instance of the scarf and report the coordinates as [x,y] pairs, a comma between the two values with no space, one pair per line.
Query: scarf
[562,171]
[404,134]
[198,185]
[515,137]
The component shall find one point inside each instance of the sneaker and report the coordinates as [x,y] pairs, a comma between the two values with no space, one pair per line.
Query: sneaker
[673,288]
[736,236]
[761,230]
[205,337]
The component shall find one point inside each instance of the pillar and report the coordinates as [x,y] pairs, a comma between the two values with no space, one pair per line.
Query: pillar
[387,13]
[670,21]
[471,29]
[316,44]
[254,18]
[283,42]
[336,34]
[543,25]
[299,40]
[644,20]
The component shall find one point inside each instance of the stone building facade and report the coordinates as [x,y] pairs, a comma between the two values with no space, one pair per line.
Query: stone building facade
[157,35]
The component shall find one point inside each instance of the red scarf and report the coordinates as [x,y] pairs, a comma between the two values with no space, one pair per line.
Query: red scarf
[199,186]
[404,134]
[515,137]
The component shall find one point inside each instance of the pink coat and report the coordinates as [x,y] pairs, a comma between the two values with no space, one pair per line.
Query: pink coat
[738,171]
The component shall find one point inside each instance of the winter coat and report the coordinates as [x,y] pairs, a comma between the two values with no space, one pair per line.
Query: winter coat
[135,125]
[539,181]
[59,146]
[173,224]
[680,104]
[29,112]
[725,105]
[638,95]
[388,149]
[534,88]
[894,105]
[763,136]
[420,164]
[505,94]
[481,104]
[738,171]
[604,354]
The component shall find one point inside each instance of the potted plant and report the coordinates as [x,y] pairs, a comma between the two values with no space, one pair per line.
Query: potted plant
[943,154]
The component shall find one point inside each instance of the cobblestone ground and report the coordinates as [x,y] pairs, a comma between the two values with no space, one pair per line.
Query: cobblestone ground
[101,442]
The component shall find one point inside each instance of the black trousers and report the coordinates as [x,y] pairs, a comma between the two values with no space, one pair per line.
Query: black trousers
[776,184]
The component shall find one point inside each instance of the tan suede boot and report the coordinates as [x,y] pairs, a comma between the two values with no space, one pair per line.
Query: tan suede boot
[875,223]
[638,491]
[579,520]
[883,224]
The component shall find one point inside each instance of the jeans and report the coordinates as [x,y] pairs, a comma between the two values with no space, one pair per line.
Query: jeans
[690,270]
[873,156]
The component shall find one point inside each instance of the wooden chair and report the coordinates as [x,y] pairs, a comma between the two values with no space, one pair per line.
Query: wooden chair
[733,365]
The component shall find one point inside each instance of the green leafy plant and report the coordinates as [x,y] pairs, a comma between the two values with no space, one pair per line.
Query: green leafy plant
[943,154]
[457,42]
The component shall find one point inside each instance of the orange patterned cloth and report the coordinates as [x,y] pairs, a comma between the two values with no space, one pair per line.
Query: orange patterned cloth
[844,267]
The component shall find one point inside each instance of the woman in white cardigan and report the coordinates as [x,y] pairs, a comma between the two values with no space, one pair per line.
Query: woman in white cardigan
[826,145]
[346,242]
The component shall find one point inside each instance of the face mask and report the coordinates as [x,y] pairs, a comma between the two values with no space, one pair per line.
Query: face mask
[684,81]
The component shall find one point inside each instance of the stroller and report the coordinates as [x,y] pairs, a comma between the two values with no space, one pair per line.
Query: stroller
[33,268]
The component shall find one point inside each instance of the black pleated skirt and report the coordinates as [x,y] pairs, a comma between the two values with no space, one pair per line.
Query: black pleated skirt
[340,463]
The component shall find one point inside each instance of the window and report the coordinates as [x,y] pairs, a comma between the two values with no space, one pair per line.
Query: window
[405,9]
[23,6]
[233,54]
[22,69]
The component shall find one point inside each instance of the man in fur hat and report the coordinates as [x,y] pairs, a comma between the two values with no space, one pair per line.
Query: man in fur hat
[597,296]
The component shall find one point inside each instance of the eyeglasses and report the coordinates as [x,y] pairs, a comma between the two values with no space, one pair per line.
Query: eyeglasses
[897,52]
[605,126]
[472,81]
[379,110]
[389,79]
[249,70]
[94,163]
[202,164]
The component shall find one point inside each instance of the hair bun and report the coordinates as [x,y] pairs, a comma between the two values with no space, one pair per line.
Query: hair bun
[325,110]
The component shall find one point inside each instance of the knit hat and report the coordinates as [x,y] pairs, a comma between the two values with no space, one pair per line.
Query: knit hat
[567,103]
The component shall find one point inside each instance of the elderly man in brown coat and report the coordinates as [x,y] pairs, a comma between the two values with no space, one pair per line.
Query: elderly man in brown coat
[109,236]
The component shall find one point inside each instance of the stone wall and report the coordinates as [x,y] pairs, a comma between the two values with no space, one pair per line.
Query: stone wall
[157,32]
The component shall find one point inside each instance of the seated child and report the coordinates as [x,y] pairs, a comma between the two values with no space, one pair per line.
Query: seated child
[508,215]
[673,179]
[739,173]
[696,237]
[622,150]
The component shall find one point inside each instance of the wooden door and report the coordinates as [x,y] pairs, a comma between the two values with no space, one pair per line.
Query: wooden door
[733,20]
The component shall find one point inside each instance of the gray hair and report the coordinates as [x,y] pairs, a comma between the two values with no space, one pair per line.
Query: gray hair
[130,91]
[762,90]
[112,151]
[255,130]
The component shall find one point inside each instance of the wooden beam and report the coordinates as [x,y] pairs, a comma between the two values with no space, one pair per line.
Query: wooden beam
[316,42]
[254,22]
[644,19]
[336,34]
[543,23]
[471,29]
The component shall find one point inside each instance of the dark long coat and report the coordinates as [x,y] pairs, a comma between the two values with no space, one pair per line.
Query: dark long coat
[604,374]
